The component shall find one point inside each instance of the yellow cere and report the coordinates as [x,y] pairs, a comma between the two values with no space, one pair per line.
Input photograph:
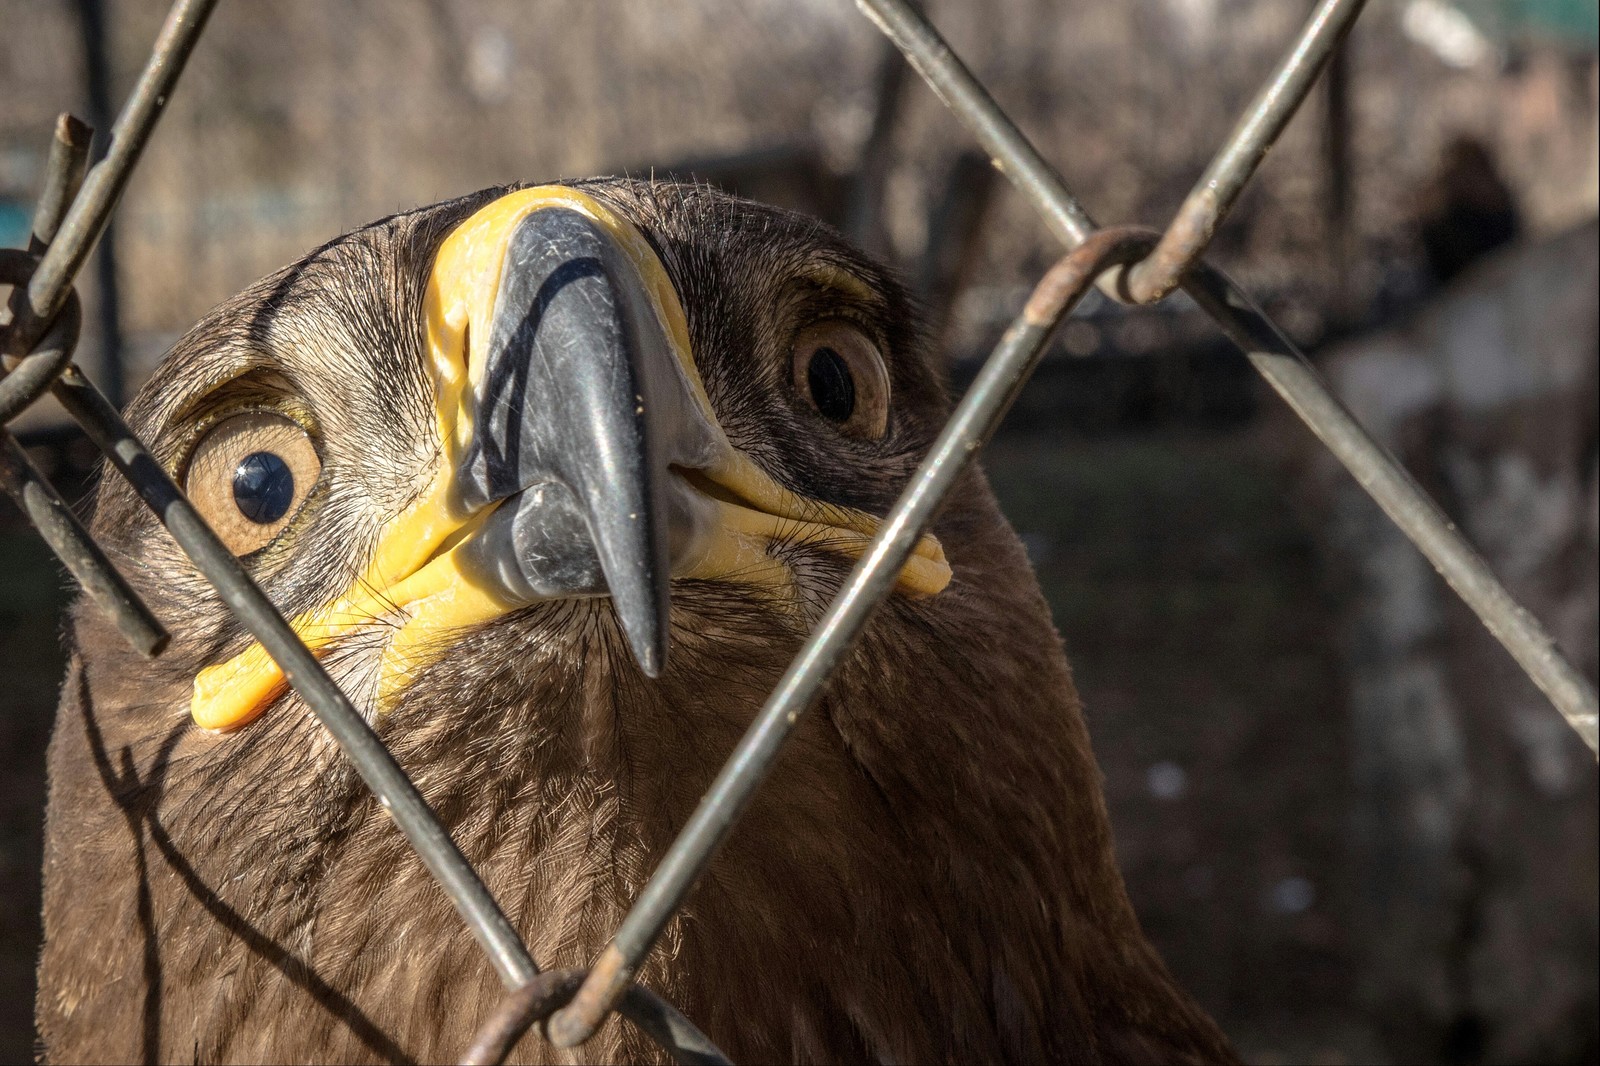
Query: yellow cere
[414,569]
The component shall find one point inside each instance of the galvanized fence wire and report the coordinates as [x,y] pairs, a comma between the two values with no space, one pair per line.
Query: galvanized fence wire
[38,333]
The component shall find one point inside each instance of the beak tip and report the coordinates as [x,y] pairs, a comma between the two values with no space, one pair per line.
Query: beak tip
[649,649]
[644,613]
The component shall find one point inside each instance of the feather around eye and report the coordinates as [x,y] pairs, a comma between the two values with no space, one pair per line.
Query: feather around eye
[840,373]
[249,476]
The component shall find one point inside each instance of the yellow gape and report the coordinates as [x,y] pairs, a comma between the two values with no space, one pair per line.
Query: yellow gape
[417,581]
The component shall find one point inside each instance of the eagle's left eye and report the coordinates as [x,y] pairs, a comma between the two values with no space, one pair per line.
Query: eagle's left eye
[840,373]
[249,475]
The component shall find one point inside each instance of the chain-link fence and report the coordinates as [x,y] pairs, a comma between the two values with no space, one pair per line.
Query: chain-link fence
[1133,265]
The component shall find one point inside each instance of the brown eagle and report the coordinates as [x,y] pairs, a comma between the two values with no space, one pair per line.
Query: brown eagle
[556,480]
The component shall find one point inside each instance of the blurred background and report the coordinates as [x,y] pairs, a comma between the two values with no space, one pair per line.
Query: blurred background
[1356,832]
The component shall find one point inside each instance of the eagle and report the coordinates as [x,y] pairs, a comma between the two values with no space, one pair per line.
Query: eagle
[556,480]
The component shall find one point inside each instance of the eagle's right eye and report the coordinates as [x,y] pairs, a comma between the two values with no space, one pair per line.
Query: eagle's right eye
[249,476]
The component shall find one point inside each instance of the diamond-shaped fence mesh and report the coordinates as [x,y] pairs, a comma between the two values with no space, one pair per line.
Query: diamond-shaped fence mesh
[38,333]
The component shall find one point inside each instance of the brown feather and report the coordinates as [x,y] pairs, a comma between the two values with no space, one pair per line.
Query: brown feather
[927,877]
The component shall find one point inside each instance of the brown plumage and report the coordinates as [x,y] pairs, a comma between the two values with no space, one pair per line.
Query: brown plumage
[928,875]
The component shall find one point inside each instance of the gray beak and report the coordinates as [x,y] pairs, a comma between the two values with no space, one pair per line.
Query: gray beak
[581,411]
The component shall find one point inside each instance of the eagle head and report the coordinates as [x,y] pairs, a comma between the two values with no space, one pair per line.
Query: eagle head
[556,480]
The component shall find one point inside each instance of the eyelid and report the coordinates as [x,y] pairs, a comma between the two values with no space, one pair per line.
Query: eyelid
[286,407]
[250,389]
[812,300]
[839,280]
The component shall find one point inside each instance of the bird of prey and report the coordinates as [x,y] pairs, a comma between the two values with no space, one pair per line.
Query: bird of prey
[556,480]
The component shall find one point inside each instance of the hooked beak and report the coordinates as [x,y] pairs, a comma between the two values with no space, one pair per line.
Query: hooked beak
[580,457]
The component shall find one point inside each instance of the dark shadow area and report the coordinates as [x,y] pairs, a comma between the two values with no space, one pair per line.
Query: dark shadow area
[139,797]
[1188,595]
[32,597]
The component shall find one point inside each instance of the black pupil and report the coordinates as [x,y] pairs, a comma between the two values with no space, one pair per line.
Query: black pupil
[833,390]
[263,487]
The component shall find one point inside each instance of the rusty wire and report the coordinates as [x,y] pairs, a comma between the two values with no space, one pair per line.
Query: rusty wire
[83,222]
[90,209]
[1269,351]
[533,1002]
[969,428]
[38,332]
[1213,196]
[36,372]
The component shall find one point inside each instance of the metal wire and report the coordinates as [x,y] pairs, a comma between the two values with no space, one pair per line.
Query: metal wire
[40,330]
[969,428]
[44,330]
[36,307]
[534,1001]
[1213,196]
[64,167]
[31,376]
[76,549]
[91,207]
[1394,490]
[962,93]
[926,50]
[304,673]
[1371,465]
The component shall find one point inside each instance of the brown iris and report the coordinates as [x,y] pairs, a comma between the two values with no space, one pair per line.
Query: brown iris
[841,374]
[249,476]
